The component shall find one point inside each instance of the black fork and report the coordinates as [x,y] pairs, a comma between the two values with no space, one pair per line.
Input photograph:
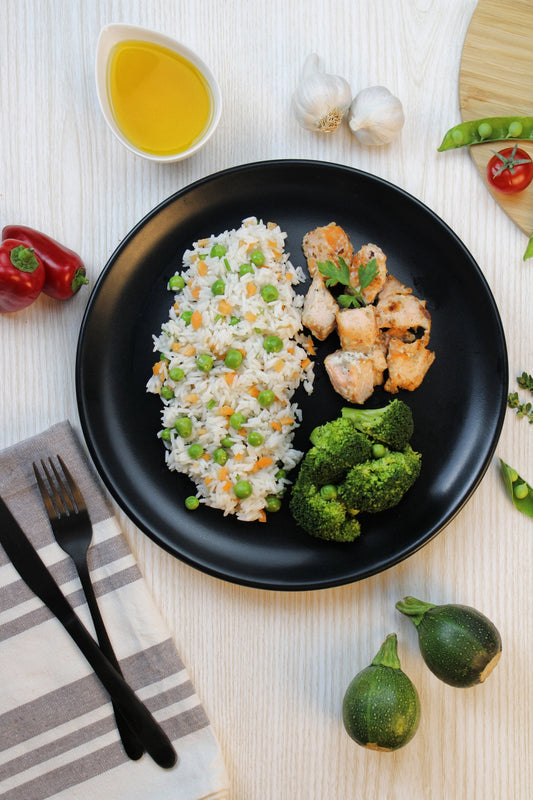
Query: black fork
[73,532]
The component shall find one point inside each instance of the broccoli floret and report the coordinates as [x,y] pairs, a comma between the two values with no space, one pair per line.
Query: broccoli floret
[338,445]
[380,484]
[324,519]
[392,424]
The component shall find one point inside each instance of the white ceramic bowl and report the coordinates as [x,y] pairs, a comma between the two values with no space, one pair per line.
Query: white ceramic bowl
[114,33]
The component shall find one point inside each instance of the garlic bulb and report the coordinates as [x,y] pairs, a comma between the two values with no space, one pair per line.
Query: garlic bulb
[320,101]
[376,116]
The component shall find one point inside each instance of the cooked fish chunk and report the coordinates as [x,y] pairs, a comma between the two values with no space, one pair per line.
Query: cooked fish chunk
[326,243]
[379,361]
[401,314]
[354,375]
[363,256]
[392,286]
[408,363]
[319,309]
[357,328]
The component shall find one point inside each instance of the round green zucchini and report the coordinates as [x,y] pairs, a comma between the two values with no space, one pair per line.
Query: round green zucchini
[458,643]
[381,707]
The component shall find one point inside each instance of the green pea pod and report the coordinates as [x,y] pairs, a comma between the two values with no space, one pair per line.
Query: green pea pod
[529,249]
[519,491]
[487,129]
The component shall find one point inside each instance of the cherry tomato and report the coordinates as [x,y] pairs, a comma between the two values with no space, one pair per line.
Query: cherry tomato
[510,170]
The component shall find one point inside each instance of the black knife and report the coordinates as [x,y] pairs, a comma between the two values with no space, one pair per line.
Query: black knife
[34,573]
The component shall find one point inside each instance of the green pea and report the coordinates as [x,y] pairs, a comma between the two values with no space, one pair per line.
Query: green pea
[234,321]
[218,287]
[167,392]
[269,293]
[457,137]
[233,359]
[183,426]
[255,439]
[165,434]
[163,357]
[204,362]
[237,420]
[520,491]
[243,489]
[217,251]
[485,130]
[281,473]
[220,456]
[191,502]
[227,441]
[186,317]
[272,503]
[246,269]
[176,374]
[272,344]
[266,398]
[195,450]
[378,450]
[515,129]
[176,283]
[257,258]
[328,492]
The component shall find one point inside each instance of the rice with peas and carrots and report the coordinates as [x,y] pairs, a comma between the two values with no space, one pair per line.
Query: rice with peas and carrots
[232,354]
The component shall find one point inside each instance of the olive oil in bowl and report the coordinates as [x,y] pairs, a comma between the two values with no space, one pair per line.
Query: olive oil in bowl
[158,97]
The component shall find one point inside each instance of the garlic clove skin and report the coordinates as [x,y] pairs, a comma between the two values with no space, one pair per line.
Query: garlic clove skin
[320,101]
[376,116]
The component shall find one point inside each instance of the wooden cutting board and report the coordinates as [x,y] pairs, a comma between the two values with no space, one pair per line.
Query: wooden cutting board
[496,79]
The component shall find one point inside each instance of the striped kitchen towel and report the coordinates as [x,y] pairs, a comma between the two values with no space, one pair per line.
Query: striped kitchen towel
[57,731]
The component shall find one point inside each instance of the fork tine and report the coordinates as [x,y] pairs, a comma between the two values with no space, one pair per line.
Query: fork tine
[73,486]
[60,497]
[60,490]
[47,500]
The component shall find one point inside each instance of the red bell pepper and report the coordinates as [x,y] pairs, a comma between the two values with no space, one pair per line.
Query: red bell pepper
[65,272]
[22,276]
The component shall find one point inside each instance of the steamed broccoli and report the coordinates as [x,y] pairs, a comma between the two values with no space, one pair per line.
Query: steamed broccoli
[337,446]
[322,518]
[392,424]
[380,484]
[361,461]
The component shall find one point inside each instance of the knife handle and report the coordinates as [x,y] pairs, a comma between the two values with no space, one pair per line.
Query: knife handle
[128,735]
[150,733]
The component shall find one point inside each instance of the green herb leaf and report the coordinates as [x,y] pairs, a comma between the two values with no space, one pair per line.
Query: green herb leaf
[347,300]
[525,381]
[367,272]
[335,274]
[518,489]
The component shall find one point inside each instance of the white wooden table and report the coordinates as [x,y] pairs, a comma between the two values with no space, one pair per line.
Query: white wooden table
[272,667]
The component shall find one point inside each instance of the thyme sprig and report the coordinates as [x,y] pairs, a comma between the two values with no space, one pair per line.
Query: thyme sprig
[523,409]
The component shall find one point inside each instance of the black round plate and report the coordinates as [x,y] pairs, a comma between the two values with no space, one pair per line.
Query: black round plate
[458,410]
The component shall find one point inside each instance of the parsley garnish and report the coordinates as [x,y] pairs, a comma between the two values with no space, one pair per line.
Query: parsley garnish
[341,274]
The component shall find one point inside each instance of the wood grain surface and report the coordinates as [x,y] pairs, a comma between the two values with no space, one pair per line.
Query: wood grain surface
[496,79]
[271,667]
